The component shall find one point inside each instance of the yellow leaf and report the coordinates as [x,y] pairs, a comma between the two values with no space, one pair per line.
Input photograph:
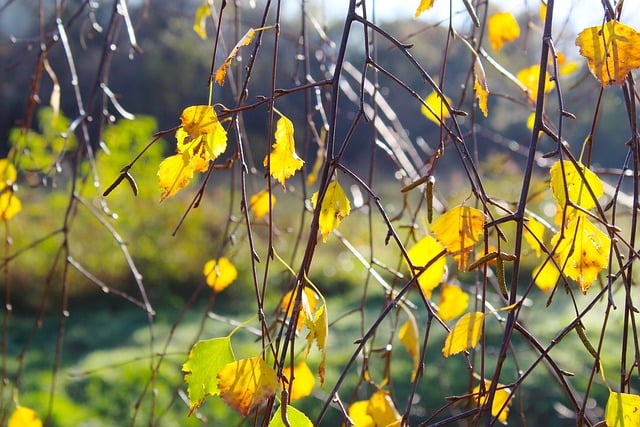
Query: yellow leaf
[335,207]
[453,302]
[421,254]
[612,50]
[424,5]
[531,120]
[502,28]
[534,235]
[201,134]
[24,417]
[309,302]
[435,110]
[458,230]
[543,12]
[622,410]
[409,337]
[10,205]
[219,273]
[8,174]
[546,275]
[318,331]
[464,335]
[303,381]
[198,120]
[480,86]
[501,400]
[566,179]
[359,415]
[221,72]
[381,409]
[200,21]
[174,173]
[247,383]
[582,251]
[260,204]
[284,162]
[529,78]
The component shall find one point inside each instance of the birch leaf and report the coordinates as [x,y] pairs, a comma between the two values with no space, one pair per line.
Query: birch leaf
[10,205]
[247,383]
[259,203]
[424,5]
[175,173]
[283,162]
[335,207]
[480,86]
[24,417]
[8,174]
[435,109]
[359,415]
[529,78]
[200,21]
[221,72]
[464,335]
[502,28]
[534,235]
[622,410]
[309,302]
[303,381]
[458,230]
[453,302]
[566,180]
[219,274]
[382,409]
[501,400]
[421,254]
[295,417]
[546,275]
[612,51]
[318,332]
[409,337]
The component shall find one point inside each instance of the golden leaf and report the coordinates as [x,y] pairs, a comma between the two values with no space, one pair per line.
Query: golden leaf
[480,86]
[200,20]
[501,400]
[359,415]
[8,174]
[382,410]
[221,72]
[546,275]
[435,109]
[309,302]
[622,410]
[464,335]
[260,204]
[10,205]
[424,5]
[453,302]
[502,28]
[247,383]
[421,254]
[612,50]
[335,207]
[409,337]
[534,235]
[219,273]
[303,381]
[24,417]
[283,162]
[566,179]
[529,78]
[174,173]
[458,230]
[318,332]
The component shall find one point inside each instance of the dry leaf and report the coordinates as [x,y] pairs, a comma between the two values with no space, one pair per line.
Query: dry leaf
[480,86]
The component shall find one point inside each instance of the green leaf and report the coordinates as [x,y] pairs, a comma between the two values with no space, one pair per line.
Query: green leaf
[205,360]
[296,418]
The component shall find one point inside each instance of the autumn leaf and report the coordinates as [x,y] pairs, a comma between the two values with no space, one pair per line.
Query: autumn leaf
[410,339]
[295,417]
[529,78]
[612,51]
[464,335]
[24,417]
[358,414]
[502,28]
[10,205]
[219,273]
[453,302]
[534,235]
[480,86]
[421,254]
[247,383]
[318,332]
[309,301]
[8,174]
[200,21]
[566,179]
[546,275]
[221,72]
[382,410]
[435,109]
[175,173]
[259,203]
[303,381]
[205,360]
[283,162]
[622,410]
[501,400]
[335,207]
[424,5]
[458,230]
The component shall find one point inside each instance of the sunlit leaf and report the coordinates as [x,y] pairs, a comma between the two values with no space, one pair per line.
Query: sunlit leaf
[612,50]
[453,302]
[219,273]
[206,359]
[295,417]
[464,335]
[502,28]
[24,417]
[174,173]
[622,410]
[259,203]
[10,205]
[582,251]
[424,5]
[335,207]
[529,78]
[480,86]
[531,121]
[501,400]
[409,337]
[8,174]
[542,12]
[458,230]
[534,235]
[303,381]
[437,110]
[358,414]
[221,72]
[247,383]
[382,410]
[198,120]
[546,275]
[283,161]
[566,179]
[421,254]
[200,21]
[318,332]
[309,301]
[566,67]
